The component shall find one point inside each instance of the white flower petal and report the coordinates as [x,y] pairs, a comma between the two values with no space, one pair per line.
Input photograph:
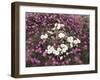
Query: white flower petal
[71,45]
[56,52]
[67,53]
[66,48]
[50,32]
[63,50]
[61,57]
[70,39]
[62,25]
[58,26]
[54,28]
[78,41]
[48,47]
[55,24]
[52,48]
[45,36]
[42,36]
[58,49]
[61,35]
[49,51]
[62,45]
[75,42]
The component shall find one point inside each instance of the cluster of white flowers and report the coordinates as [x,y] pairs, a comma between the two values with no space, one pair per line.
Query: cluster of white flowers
[57,26]
[62,49]
[76,41]
[45,36]
[51,49]
[61,35]
[71,40]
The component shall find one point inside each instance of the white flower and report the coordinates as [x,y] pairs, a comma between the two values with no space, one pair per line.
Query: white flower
[62,25]
[64,48]
[70,39]
[55,24]
[42,37]
[58,26]
[61,57]
[45,36]
[55,52]
[71,45]
[62,45]
[49,51]
[58,49]
[61,35]
[52,48]
[67,53]
[54,28]
[50,32]
[49,46]
[76,41]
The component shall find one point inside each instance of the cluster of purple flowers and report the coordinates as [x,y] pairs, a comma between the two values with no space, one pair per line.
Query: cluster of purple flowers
[47,32]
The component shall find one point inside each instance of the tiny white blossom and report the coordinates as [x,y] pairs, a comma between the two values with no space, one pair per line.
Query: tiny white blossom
[61,35]
[63,50]
[55,24]
[49,46]
[52,48]
[71,45]
[58,26]
[56,52]
[76,41]
[67,53]
[45,36]
[42,37]
[54,28]
[49,51]
[62,25]
[64,46]
[61,57]
[58,49]
[50,32]
[70,39]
